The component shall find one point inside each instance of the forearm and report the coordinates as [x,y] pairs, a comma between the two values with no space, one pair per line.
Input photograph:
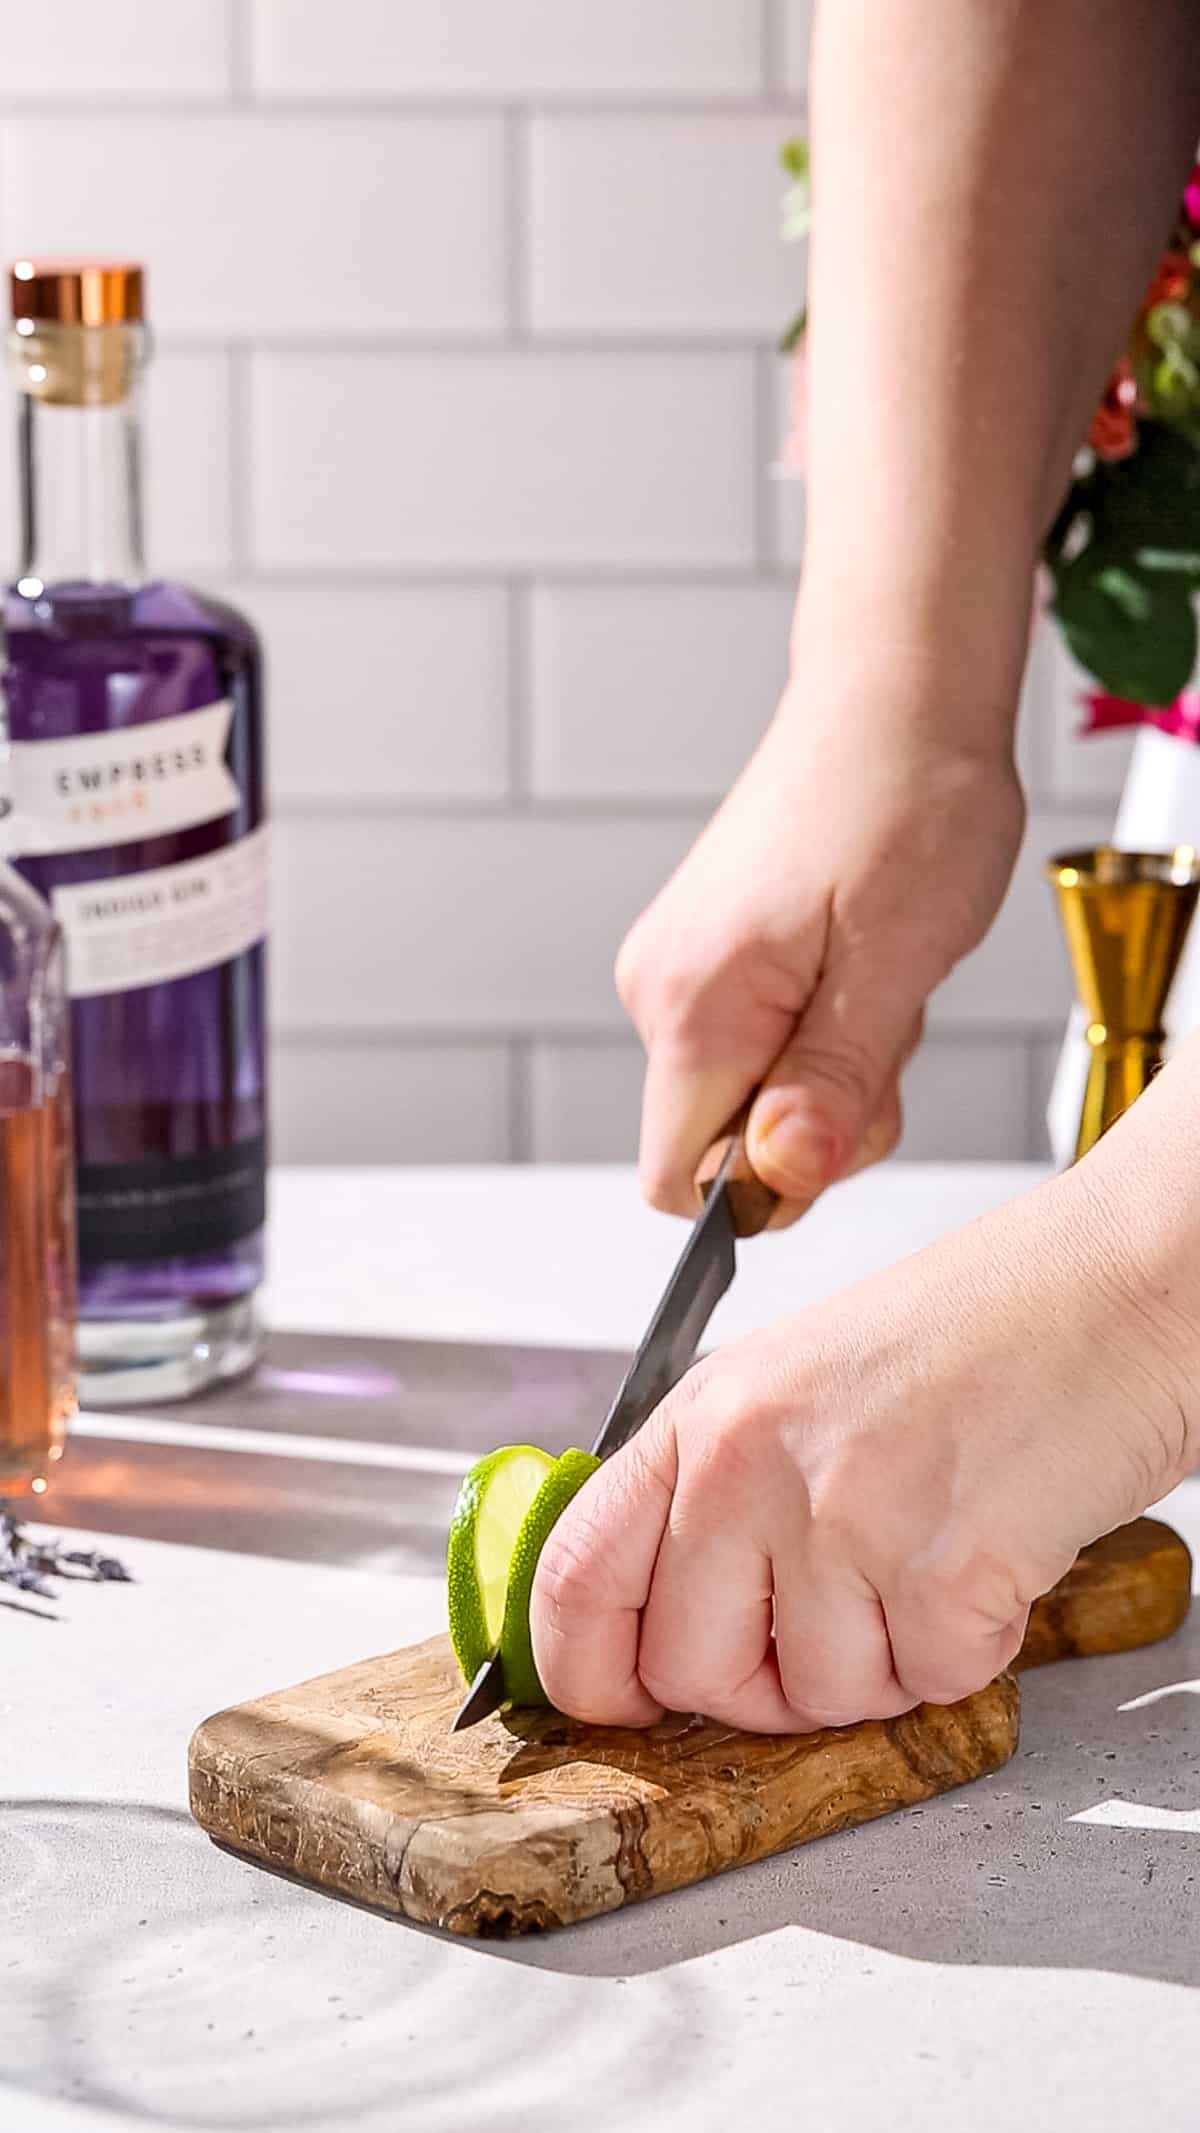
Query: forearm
[1135,1203]
[992,184]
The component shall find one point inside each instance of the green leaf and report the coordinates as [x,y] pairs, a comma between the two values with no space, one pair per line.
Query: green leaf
[794,157]
[1151,499]
[1171,562]
[790,340]
[1168,325]
[1134,630]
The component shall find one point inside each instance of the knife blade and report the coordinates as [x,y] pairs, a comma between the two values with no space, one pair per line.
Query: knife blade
[736,1204]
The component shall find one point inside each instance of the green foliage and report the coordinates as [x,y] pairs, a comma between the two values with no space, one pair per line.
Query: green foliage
[1124,553]
[797,200]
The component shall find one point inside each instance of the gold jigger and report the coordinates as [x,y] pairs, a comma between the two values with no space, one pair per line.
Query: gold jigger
[1126,917]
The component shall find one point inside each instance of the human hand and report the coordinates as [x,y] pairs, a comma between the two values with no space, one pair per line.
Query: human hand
[798,942]
[852,1511]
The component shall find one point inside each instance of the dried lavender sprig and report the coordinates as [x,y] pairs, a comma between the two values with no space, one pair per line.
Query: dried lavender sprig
[27,1563]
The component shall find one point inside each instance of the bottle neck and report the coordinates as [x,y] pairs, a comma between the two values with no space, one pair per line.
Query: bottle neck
[79,456]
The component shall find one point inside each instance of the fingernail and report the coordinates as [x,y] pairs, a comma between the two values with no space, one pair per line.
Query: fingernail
[799,1155]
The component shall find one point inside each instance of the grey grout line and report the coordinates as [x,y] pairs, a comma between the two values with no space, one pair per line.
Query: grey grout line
[399,104]
[241,69]
[351,570]
[516,237]
[766,451]
[1036,1137]
[671,808]
[347,344]
[517,695]
[498,808]
[771,37]
[241,449]
[520,1099]
[614,1035]
[602,576]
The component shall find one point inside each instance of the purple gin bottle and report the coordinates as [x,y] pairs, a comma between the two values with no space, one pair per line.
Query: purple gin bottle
[136,776]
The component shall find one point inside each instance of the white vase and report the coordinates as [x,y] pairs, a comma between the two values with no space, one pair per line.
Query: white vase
[1159,808]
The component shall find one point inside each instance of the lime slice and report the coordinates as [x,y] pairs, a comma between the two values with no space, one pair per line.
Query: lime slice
[487,1518]
[565,1479]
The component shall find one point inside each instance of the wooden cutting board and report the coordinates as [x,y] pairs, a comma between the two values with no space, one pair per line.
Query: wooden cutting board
[355,1782]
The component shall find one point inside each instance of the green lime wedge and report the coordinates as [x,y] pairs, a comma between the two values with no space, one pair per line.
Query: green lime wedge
[488,1516]
[565,1479]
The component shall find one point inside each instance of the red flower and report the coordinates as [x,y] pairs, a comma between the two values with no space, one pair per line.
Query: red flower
[1113,434]
[1173,280]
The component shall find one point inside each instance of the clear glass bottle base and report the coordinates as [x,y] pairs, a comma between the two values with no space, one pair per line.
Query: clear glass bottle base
[128,1362]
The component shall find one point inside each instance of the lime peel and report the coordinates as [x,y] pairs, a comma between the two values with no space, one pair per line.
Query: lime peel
[484,1525]
[564,1481]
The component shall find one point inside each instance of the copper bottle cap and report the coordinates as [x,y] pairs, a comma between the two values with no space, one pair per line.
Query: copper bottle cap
[77,292]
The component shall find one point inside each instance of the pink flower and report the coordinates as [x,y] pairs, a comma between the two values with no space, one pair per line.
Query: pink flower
[1113,434]
[1191,198]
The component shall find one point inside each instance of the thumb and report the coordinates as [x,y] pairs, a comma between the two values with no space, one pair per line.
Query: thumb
[835,1079]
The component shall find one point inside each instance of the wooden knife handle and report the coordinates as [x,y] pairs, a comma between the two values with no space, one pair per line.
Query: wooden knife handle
[751,1203]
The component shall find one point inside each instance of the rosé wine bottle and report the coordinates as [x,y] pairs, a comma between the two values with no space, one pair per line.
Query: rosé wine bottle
[37,1195]
[136,779]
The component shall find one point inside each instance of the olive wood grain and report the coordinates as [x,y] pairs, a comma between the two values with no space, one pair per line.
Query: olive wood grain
[355,1782]
[1133,1587]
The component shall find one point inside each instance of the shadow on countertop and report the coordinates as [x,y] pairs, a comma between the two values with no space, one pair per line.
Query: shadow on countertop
[180,1986]
[444,1403]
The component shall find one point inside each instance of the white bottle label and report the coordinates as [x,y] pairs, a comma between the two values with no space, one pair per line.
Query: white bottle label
[164,923]
[97,789]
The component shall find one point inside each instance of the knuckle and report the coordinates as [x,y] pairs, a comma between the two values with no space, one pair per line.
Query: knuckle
[818,1717]
[941,1681]
[883,1135]
[663,1189]
[716,1413]
[722,1462]
[848,1072]
[677,991]
[570,1575]
[675,1688]
[628,971]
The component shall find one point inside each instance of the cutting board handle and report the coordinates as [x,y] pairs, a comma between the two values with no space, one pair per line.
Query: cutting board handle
[751,1203]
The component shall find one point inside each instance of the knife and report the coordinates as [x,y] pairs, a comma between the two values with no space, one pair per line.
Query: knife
[736,1204]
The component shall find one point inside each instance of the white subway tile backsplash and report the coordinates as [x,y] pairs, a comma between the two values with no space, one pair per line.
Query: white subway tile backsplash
[189,475]
[1082,767]
[585,1102]
[667,225]
[271,224]
[525,48]
[384,693]
[77,49]
[506,460]
[652,692]
[390,1103]
[486,462]
[1019,977]
[960,1098]
[966,1100]
[459,925]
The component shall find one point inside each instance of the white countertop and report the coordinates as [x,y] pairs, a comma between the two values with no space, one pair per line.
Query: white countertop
[1021,1952]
